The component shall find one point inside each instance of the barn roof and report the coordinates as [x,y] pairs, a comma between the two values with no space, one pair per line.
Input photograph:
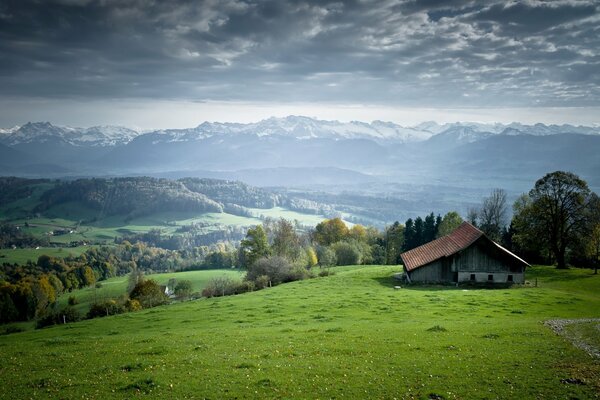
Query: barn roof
[459,239]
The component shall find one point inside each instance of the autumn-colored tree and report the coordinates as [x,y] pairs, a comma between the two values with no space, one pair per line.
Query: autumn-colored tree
[330,231]
[149,294]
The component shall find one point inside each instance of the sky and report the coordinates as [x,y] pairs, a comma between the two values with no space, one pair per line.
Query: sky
[157,64]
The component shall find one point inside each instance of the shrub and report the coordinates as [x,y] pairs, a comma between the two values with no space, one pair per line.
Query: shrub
[277,269]
[106,308]
[132,305]
[183,289]
[98,285]
[346,253]
[67,314]
[326,256]
[262,282]
[221,286]
[149,294]
[72,301]
[13,329]
[326,272]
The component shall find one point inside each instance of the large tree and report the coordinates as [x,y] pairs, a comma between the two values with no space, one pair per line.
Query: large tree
[450,222]
[493,214]
[330,231]
[554,214]
[254,246]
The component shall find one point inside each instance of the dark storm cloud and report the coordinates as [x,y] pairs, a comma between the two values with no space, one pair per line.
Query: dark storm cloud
[419,53]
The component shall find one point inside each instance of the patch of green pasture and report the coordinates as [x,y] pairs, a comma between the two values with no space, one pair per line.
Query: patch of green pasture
[21,256]
[116,287]
[350,335]
[280,212]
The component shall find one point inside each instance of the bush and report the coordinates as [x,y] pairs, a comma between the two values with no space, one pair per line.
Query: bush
[326,272]
[72,301]
[132,305]
[346,253]
[98,285]
[67,314]
[183,289]
[149,294]
[12,329]
[221,286]
[276,268]
[106,308]
[262,282]
[326,256]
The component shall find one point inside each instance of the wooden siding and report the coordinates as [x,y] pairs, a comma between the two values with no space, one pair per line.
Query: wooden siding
[480,260]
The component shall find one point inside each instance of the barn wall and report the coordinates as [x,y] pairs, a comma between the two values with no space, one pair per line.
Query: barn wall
[479,260]
[428,273]
[476,258]
[483,261]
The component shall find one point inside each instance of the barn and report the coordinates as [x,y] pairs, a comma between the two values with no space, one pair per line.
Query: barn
[465,255]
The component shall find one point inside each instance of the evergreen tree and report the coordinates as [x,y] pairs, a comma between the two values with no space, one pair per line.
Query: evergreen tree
[409,235]
[429,228]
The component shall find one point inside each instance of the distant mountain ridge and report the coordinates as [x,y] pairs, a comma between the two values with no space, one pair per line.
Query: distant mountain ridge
[297,127]
[305,152]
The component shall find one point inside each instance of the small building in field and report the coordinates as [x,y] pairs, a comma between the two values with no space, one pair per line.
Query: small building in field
[465,255]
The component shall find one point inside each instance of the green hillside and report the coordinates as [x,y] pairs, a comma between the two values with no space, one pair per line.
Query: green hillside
[351,335]
[113,288]
[84,212]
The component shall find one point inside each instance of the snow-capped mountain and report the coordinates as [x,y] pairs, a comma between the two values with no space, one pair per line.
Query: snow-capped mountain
[300,128]
[45,132]
[296,127]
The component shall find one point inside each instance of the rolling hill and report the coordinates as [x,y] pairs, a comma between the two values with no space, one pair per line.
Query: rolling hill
[350,335]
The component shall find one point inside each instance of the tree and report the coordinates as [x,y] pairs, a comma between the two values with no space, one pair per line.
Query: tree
[450,222]
[330,231]
[135,276]
[429,230]
[419,231]
[409,235]
[593,247]
[326,256]
[311,257]
[493,214]
[183,289]
[276,268]
[149,294]
[286,242]
[346,254]
[554,213]
[255,245]
[394,242]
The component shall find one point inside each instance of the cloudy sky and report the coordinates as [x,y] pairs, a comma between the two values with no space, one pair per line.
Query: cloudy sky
[158,63]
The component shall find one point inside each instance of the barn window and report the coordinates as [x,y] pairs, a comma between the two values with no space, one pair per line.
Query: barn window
[472,277]
[510,278]
[490,277]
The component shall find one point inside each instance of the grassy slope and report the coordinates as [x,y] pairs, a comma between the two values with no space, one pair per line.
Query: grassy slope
[21,256]
[116,287]
[346,336]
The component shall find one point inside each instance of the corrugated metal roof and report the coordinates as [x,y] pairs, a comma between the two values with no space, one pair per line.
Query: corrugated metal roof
[459,239]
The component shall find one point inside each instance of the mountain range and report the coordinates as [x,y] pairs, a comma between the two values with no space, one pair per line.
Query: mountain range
[301,151]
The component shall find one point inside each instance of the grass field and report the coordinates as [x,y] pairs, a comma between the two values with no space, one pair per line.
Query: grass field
[21,256]
[351,335]
[116,287]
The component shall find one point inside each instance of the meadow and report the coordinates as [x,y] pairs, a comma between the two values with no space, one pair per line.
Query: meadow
[116,287]
[350,335]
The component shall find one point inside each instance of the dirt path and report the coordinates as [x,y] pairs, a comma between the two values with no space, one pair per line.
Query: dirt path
[558,326]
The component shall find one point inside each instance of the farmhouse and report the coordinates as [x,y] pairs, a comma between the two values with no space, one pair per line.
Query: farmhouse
[465,255]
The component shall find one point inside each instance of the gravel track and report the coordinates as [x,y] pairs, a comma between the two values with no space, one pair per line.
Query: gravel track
[558,326]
